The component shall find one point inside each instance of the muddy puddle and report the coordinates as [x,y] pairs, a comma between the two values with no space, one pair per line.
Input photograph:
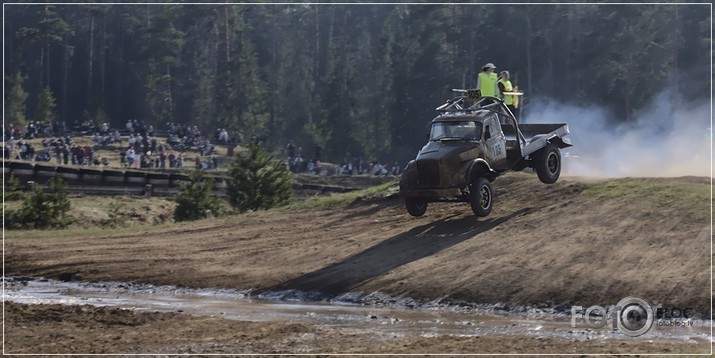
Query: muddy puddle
[342,313]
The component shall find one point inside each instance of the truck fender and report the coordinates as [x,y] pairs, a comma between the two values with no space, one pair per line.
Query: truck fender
[408,176]
[560,142]
[479,168]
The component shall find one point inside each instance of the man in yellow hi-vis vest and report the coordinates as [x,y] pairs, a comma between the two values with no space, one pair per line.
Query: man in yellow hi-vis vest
[505,86]
[487,81]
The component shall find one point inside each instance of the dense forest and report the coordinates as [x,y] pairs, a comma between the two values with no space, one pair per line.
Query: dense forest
[358,80]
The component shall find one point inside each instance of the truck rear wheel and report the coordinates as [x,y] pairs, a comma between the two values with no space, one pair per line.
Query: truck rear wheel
[481,197]
[547,163]
[416,206]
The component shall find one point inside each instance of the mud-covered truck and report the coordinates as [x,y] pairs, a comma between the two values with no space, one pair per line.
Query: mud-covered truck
[470,146]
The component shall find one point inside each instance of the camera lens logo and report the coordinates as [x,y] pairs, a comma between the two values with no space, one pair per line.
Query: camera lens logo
[634,317]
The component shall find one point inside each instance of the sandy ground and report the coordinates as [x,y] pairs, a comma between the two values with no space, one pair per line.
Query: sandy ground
[575,242]
[38,329]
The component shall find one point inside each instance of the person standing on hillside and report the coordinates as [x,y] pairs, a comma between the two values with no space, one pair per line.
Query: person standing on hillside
[506,86]
[487,81]
[130,157]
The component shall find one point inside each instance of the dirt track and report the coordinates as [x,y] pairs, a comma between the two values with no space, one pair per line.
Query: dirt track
[576,242]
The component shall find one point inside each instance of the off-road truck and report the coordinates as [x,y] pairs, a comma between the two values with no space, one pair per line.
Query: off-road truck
[470,146]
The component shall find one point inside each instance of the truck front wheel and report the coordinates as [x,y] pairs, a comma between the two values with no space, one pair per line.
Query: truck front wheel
[547,163]
[416,206]
[481,197]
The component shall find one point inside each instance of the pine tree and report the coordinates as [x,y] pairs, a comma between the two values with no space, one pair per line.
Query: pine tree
[195,200]
[50,29]
[59,204]
[15,101]
[11,188]
[45,111]
[42,210]
[162,46]
[257,180]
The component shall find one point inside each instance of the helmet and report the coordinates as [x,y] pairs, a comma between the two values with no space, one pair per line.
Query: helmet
[489,65]
[505,72]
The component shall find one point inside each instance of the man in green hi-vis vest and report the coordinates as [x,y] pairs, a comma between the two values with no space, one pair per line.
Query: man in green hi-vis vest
[506,86]
[487,81]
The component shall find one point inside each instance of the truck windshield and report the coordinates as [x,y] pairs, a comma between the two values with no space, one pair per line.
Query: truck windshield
[456,130]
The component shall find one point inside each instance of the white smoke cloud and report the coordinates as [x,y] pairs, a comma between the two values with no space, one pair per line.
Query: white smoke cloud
[664,140]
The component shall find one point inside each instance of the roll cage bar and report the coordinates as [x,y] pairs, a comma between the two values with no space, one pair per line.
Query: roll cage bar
[493,104]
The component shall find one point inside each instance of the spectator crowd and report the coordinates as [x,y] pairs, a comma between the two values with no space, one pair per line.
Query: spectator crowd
[139,147]
[298,164]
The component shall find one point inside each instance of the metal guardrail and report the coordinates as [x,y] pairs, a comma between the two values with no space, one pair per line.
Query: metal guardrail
[93,181]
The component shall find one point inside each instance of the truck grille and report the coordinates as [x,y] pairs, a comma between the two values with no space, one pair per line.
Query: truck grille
[428,172]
